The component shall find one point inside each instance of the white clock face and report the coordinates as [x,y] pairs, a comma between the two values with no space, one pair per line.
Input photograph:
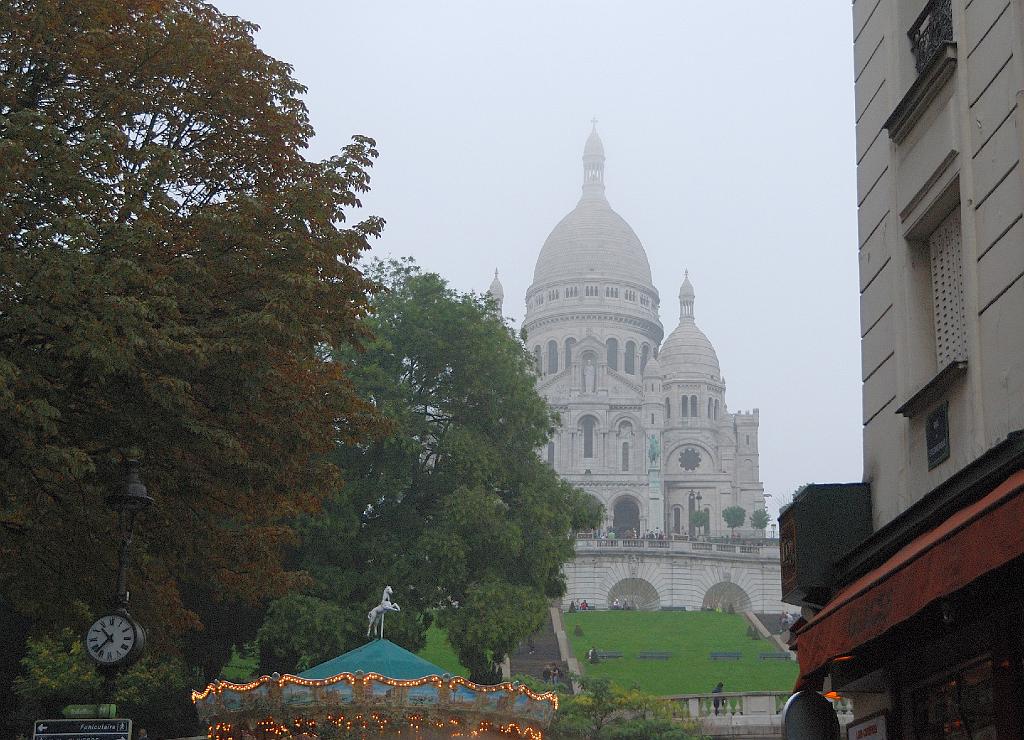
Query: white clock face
[110,639]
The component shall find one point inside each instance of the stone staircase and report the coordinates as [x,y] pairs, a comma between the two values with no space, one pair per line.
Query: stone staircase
[544,652]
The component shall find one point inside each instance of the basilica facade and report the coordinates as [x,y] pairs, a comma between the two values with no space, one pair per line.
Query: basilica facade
[644,423]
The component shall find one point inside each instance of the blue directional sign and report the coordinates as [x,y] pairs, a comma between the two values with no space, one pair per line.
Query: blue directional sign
[82,729]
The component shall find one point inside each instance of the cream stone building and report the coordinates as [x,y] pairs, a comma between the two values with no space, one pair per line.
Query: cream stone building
[644,425]
[916,618]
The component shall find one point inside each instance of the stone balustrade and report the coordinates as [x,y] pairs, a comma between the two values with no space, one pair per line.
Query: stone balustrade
[754,709]
[590,545]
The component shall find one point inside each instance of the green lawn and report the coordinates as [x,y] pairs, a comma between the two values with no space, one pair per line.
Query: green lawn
[690,637]
[440,653]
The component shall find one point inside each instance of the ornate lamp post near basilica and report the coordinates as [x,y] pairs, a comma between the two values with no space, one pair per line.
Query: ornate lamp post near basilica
[115,640]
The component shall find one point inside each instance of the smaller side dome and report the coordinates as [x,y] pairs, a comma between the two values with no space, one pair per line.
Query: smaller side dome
[497,292]
[687,351]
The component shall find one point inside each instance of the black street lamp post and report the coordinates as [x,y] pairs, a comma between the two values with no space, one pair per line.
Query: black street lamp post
[128,505]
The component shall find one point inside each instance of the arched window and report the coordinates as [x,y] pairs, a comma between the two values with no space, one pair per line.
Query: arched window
[711,408]
[716,408]
[537,360]
[569,343]
[668,408]
[613,354]
[588,425]
[684,406]
[551,454]
[552,357]
[625,456]
[693,405]
[645,352]
[677,519]
[629,361]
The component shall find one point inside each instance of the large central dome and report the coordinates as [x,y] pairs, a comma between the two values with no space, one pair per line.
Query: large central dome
[593,241]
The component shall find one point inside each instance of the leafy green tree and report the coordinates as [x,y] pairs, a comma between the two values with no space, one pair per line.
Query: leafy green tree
[734,517]
[452,506]
[175,277]
[701,519]
[56,672]
[759,519]
[606,711]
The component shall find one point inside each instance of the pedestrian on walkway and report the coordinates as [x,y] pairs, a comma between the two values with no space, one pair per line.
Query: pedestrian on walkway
[717,701]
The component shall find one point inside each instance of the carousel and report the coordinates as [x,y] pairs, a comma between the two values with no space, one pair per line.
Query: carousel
[377,689]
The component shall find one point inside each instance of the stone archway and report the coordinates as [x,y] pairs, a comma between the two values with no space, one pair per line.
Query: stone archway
[635,593]
[626,516]
[728,597]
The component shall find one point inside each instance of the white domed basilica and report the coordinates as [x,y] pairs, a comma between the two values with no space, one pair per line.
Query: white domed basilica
[645,427]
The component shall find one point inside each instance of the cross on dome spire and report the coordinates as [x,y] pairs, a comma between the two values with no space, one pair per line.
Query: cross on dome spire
[686,296]
[593,164]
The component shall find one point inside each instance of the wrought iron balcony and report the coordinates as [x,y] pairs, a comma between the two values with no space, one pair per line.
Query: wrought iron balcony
[930,33]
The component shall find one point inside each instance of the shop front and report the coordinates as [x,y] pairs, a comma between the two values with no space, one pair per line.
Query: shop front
[928,641]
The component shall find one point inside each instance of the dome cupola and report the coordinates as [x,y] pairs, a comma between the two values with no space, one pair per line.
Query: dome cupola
[687,352]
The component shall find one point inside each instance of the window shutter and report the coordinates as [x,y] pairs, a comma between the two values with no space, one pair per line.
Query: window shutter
[948,291]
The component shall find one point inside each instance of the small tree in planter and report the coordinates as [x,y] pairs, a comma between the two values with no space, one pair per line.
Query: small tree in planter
[734,517]
[759,520]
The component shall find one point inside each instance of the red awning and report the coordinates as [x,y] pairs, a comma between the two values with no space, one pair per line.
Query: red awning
[977,539]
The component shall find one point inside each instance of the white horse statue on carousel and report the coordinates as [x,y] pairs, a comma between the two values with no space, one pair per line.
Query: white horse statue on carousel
[377,613]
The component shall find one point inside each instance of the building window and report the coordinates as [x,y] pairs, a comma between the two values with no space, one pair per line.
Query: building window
[610,292]
[944,247]
[625,456]
[629,361]
[591,290]
[693,405]
[569,344]
[963,701]
[588,425]
[684,407]
[572,291]
[748,439]
[613,353]
[716,408]
[552,357]
[645,351]
[551,454]
[677,519]
[668,409]
[711,408]
[553,295]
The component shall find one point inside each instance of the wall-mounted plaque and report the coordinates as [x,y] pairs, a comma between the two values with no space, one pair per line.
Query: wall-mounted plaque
[937,435]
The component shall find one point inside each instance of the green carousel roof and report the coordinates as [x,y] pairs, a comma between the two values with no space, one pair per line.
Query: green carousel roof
[380,656]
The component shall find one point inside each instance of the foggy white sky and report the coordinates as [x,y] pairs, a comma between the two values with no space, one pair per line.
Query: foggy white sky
[728,130]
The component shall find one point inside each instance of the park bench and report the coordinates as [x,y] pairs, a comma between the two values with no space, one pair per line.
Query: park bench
[606,656]
[654,656]
[774,656]
[726,656]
